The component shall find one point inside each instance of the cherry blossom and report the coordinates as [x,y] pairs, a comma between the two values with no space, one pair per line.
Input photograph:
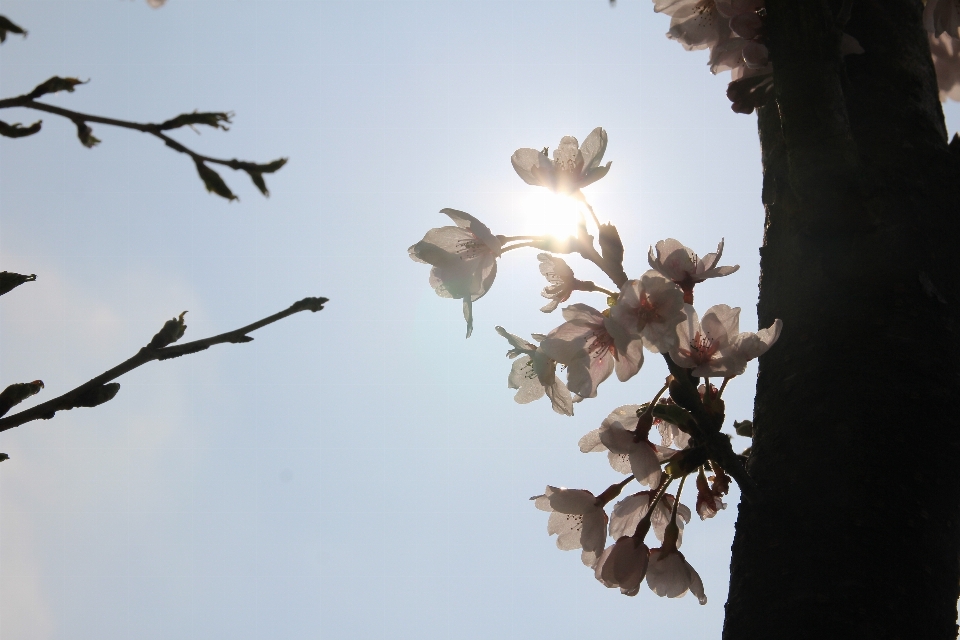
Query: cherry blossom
[577,519]
[946,61]
[573,167]
[705,347]
[629,449]
[670,434]
[680,264]
[748,346]
[670,575]
[627,513]
[648,309]
[708,498]
[942,16]
[534,375]
[464,260]
[560,277]
[623,564]
[585,345]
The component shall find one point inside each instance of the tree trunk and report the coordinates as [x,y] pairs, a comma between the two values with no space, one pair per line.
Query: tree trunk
[857,438]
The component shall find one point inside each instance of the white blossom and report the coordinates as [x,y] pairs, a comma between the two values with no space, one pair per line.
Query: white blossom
[585,345]
[942,16]
[681,265]
[648,309]
[629,450]
[464,260]
[623,564]
[560,277]
[573,167]
[946,62]
[627,513]
[577,520]
[534,375]
[670,575]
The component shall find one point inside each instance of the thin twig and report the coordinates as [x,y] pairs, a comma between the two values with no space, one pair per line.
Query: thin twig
[153,129]
[70,399]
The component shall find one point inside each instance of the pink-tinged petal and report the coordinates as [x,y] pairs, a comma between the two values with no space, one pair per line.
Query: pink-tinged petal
[629,561]
[721,324]
[583,315]
[616,431]
[619,462]
[670,7]
[567,528]
[698,27]
[590,443]
[747,25]
[560,399]
[593,148]
[645,465]
[696,585]
[589,558]
[629,361]
[755,55]
[710,260]
[571,500]
[527,162]
[627,513]
[584,375]
[478,229]
[523,378]
[753,345]
[594,533]
[601,567]
[668,574]
[594,175]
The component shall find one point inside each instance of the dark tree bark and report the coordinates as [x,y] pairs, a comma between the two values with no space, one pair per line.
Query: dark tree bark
[857,438]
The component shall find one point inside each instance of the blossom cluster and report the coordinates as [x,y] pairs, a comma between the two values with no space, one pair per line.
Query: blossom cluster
[649,314]
[733,32]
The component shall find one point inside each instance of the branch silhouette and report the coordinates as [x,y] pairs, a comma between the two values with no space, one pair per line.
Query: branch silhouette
[100,389]
[211,179]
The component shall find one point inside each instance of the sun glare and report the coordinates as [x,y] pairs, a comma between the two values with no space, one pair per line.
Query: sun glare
[547,213]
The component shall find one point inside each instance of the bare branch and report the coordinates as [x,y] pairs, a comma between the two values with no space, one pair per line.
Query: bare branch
[211,178]
[100,389]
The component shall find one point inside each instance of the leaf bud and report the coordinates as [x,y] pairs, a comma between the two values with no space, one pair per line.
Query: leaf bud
[7,26]
[611,247]
[686,461]
[54,85]
[85,133]
[171,331]
[98,395]
[209,119]
[3,456]
[213,182]
[10,281]
[16,130]
[17,393]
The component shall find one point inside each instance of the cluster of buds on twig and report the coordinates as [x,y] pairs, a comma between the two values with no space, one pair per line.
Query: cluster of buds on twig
[653,313]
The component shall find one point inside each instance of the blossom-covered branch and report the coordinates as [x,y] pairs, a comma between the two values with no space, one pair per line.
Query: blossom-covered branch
[217,120]
[101,388]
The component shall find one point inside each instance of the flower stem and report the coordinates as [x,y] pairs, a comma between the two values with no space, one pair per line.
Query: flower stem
[516,246]
[723,386]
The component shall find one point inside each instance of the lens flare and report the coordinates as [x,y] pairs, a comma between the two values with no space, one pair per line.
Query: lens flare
[547,213]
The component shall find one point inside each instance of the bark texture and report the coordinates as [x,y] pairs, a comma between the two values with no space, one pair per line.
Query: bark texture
[857,436]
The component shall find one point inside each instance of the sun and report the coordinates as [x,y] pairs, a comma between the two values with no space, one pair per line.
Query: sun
[546,213]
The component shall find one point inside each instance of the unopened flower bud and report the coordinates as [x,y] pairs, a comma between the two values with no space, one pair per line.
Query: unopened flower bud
[17,393]
[171,332]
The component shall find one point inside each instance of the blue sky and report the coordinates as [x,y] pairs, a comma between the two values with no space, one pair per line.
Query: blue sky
[362,472]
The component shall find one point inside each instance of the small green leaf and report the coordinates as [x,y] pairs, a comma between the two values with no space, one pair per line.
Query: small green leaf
[16,130]
[213,182]
[215,119]
[55,84]
[171,331]
[10,281]
[17,393]
[743,428]
[7,26]
[674,414]
[98,395]
[85,133]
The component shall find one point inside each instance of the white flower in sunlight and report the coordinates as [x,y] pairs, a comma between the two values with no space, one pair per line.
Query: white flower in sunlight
[696,24]
[623,564]
[573,167]
[680,264]
[585,345]
[670,575]
[671,434]
[715,347]
[648,309]
[577,519]
[560,277]
[464,260]
[629,449]
[709,498]
[706,347]
[534,375]
[942,16]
